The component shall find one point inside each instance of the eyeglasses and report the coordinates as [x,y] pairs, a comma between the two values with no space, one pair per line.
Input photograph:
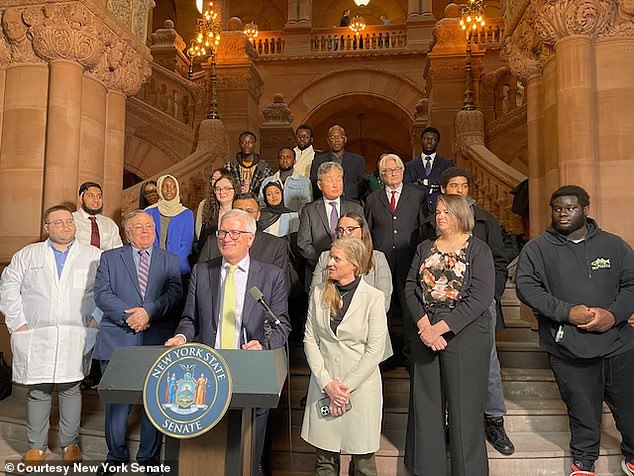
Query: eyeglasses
[233,234]
[348,230]
[223,189]
[138,228]
[392,171]
[149,191]
[304,136]
[60,223]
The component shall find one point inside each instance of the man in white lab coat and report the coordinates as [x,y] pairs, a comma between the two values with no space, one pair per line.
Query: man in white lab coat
[46,296]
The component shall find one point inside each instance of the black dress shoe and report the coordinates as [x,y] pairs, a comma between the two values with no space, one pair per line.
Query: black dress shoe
[496,435]
[151,467]
[111,468]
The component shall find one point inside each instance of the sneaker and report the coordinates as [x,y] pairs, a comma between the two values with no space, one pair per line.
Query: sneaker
[628,468]
[496,435]
[579,469]
[72,454]
[34,456]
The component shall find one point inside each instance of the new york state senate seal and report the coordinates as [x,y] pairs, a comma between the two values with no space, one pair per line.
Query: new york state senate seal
[187,390]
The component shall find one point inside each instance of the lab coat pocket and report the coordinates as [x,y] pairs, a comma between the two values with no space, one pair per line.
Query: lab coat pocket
[91,339]
[20,348]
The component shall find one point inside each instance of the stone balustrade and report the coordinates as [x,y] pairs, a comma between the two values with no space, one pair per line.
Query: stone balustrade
[174,95]
[491,34]
[374,37]
[493,181]
[269,43]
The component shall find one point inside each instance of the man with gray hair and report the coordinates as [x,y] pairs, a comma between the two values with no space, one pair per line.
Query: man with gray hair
[395,215]
[218,311]
[318,219]
[138,288]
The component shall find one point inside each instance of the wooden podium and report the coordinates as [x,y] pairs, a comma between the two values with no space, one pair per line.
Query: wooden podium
[258,378]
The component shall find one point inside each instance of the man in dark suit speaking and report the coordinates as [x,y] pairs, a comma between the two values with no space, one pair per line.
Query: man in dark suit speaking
[138,288]
[218,311]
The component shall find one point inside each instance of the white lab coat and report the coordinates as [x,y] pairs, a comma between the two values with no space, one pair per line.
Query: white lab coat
[57,346]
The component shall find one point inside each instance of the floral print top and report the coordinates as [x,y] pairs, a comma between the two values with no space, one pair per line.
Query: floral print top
[442,275]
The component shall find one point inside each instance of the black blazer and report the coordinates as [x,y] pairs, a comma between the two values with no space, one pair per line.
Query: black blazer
[414,174]
[396,233]
[202,308]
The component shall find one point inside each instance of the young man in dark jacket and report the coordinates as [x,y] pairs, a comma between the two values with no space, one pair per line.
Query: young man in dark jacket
[579,280]
[456,181]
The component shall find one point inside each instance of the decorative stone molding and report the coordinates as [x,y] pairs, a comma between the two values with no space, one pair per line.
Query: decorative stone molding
[133,14]
[277,112]
[469,129]
[17,29]
[524,51]
[421,110]
[73,32]
[168,36]
[235,48]
[557,19]
[447,34]
[624,22]
[241,80]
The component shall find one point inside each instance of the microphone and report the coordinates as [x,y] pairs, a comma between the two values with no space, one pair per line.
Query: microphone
[257,296]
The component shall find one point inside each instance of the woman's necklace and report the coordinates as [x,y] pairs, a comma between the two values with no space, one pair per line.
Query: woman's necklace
[341,296]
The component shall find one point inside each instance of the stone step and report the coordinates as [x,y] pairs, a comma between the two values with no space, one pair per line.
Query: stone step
[543,454]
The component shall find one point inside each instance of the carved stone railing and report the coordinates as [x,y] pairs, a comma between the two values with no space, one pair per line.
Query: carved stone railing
[192,172]
[491,34]
[170,93]
[269,43]
[493,181]
[373,38]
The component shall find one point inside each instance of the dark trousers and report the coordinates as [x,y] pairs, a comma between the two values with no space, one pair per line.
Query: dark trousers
[259,437]
[328,463]
[117,428]
[458,376]
[584,385]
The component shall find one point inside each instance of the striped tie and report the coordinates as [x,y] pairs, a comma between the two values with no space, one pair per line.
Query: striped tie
[228,328]
[144,271]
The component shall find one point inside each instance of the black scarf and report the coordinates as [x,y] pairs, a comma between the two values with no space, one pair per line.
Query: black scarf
[271,213]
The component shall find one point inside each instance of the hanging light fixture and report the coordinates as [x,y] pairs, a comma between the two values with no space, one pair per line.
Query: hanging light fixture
[357,24]
[199,5]
[205,42]
[362,3]
[472,17]
[251,31]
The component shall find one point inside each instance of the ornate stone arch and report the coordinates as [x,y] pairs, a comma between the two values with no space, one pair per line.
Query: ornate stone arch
[402,92]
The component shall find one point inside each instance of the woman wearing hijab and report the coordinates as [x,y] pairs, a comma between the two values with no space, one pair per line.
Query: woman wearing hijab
[276,218]
[174,222]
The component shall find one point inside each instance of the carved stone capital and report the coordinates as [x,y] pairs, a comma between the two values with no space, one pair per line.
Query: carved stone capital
[557,19]
[469,129]
[524,51]
[74,32]
[277,112]
[624,21]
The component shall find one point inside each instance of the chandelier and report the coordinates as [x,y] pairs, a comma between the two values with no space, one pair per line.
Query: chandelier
[251,31]
[361,3]
[205,43]
[472,16]
[357,24]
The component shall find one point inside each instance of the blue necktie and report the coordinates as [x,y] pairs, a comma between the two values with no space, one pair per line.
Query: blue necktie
[427,165]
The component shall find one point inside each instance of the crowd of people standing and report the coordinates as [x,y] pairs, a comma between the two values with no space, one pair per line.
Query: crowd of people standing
[354,254]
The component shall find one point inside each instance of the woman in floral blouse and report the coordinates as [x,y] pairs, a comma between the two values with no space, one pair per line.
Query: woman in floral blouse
[448,290]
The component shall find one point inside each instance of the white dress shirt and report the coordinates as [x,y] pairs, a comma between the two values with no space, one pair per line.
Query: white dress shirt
[109,237]
[397,196]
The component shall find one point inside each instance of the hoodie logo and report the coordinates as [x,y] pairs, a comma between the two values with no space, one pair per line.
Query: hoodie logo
[600,263]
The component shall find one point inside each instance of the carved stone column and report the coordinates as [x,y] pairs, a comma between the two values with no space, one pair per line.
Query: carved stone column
[60,63]
[239,86]
[276,131]
[298,27]
[571,26]
[445,74]
[420,22]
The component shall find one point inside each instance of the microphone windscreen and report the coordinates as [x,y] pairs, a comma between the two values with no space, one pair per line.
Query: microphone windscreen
[256,294]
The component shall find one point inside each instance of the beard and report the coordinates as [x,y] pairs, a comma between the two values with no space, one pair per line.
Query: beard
[90,211]
[304,147]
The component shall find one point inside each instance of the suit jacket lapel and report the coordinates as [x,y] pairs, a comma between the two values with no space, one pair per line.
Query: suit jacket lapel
[215,283]
[155,266]
[127,257]
[384,202]
[402,199]
[252,280]
[323,214]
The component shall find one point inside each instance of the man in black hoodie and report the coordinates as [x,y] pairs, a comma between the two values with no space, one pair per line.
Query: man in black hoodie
[579,280]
